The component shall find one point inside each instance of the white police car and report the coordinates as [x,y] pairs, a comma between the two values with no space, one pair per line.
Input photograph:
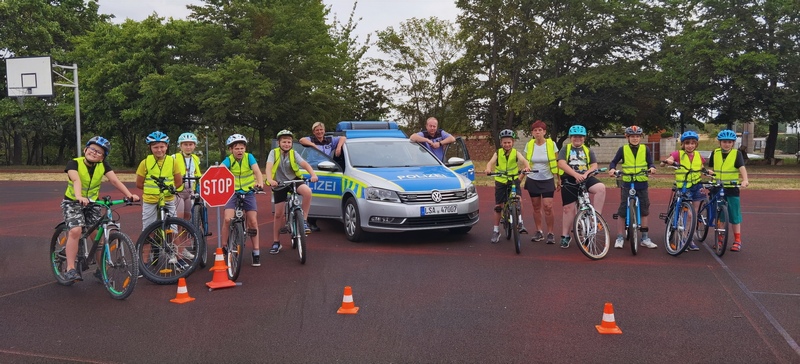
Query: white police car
[385,183]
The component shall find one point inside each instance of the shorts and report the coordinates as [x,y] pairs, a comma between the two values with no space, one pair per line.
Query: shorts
[734,209]
[569,190]
[150,212]
[75,215]
[501,192]
[249,203]
[695,193]
[279,194]
[644,202]
[540,188]
[183,202]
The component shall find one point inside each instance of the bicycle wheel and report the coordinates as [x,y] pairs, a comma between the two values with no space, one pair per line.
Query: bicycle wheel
[591,234]
[515,225]
[58,258]
[165,250]
[721,232]
[197,220]
[506,220]
[680,229]
[299,238]
[703,217]
[633,226]
[235,249]
[120,267]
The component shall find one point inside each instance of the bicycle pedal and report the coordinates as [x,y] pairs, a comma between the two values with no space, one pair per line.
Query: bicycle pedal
[662,216]
[615,216]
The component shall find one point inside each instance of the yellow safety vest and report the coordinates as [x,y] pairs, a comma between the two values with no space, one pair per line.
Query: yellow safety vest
[585,152]
[90,184]
[243,177]
[185,169]
[167,170]
[551,154]
[726,168]
[277,154]
[632,165]
[695,164]
[509,162]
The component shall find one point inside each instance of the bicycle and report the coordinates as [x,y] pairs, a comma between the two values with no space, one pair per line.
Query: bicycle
[713,211]
[295,221]
[234,251]
[633,215]
[199,219]
[511,209]
[168,248]
[119,269]
[680,217]
[588,225]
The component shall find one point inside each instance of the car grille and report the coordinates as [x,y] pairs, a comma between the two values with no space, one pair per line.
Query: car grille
[432,221]
[447,196]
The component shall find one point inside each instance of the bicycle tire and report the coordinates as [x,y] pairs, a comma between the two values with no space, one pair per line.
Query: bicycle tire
[58,263]
[633,226]
[120,267]
[591,234]
[721,235]
[235,250]
[156,249]
[677,243]
[299,239]
[200,226]
[703,217]
[515,225]
[506,220]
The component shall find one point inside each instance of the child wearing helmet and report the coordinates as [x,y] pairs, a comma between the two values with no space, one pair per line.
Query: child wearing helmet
[729,164]
[283,164]
[246,176]
[690,164]
[190,167]
[544,181]
[576,161]
[157,164]
[506,160]
[84,176]
[633,158]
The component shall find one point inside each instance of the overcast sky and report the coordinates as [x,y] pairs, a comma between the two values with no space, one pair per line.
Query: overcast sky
[375,14]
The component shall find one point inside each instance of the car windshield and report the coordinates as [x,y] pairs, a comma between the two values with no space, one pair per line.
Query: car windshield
[382,154]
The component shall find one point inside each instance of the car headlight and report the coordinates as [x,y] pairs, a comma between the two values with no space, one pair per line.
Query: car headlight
[471,190]
[380,194]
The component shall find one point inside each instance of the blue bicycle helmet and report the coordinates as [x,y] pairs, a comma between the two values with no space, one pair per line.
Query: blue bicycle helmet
[101,142]
[506,133]
[577,130]
[726,135]
[157,136]
[187,137]
[689,135]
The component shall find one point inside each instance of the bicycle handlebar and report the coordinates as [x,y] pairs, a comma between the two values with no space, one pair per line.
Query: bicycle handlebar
[618,173]
[106,201]
[163,186]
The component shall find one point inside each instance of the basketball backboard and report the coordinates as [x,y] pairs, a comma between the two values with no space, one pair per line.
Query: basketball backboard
[29,76]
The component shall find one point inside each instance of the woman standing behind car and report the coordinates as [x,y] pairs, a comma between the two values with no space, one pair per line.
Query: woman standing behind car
[330,145]
[544,181]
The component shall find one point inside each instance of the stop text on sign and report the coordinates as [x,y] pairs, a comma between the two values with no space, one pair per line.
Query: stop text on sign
[217,186]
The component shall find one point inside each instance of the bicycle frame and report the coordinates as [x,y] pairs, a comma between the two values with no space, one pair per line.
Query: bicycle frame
[632,230]
[511,208]
[674,210]
[295,217]
[587,222]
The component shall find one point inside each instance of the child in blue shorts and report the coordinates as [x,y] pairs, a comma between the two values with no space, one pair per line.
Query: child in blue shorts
[689,160]
[729,164]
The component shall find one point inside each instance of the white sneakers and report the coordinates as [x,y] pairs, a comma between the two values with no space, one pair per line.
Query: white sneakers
[619,242]
[647,243]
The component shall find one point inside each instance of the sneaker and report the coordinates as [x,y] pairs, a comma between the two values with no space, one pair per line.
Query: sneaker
[737,246]
[98,274]
[283,230]
[538,236]
[306,228]
[495,236]
[276,247]
[256,260]
[647,243]
[565,241]
[522,229]
[187,254]
[313,227]
[551,239]
[619,242]
[73,275]
[693,247]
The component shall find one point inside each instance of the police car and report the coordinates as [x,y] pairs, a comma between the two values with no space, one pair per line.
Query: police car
[383,182]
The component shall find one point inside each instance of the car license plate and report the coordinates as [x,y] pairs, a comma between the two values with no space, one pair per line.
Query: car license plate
[438,210]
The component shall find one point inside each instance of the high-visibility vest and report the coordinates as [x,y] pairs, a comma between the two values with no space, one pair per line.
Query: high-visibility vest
[551,154]
[90,184]
[243,177]
[696,164]
[726,168]
[510,164]
[585,152]
[166,170]
[277,154]
[634,164]
[182,159]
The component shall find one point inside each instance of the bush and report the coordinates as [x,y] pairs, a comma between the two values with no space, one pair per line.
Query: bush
[787,144]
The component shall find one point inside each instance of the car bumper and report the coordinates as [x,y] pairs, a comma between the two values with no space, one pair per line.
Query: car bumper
[395,217]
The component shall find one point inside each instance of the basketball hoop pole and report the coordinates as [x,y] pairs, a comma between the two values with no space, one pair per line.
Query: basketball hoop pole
[74,85]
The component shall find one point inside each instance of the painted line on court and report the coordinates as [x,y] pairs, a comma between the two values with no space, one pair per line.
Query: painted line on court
[779,294]
[26,289]
[54,357]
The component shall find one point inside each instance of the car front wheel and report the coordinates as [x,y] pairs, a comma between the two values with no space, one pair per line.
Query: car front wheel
[352,221]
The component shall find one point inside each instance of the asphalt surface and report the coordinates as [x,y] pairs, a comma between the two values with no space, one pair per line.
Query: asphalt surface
[423,297]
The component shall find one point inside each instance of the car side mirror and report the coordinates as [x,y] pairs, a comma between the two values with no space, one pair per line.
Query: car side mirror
[328,166]
[455,161]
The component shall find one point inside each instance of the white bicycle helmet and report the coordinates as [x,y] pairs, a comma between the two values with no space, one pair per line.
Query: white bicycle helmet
[235,138]
[284,132]
[187,137]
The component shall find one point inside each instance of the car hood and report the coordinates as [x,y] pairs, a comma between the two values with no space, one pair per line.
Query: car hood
[413,178]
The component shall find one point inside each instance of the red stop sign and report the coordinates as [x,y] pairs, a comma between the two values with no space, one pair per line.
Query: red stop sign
[216,186]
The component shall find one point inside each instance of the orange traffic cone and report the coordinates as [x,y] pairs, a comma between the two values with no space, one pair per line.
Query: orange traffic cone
[220,268]
[183,294]
[608,325]
[348,307]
